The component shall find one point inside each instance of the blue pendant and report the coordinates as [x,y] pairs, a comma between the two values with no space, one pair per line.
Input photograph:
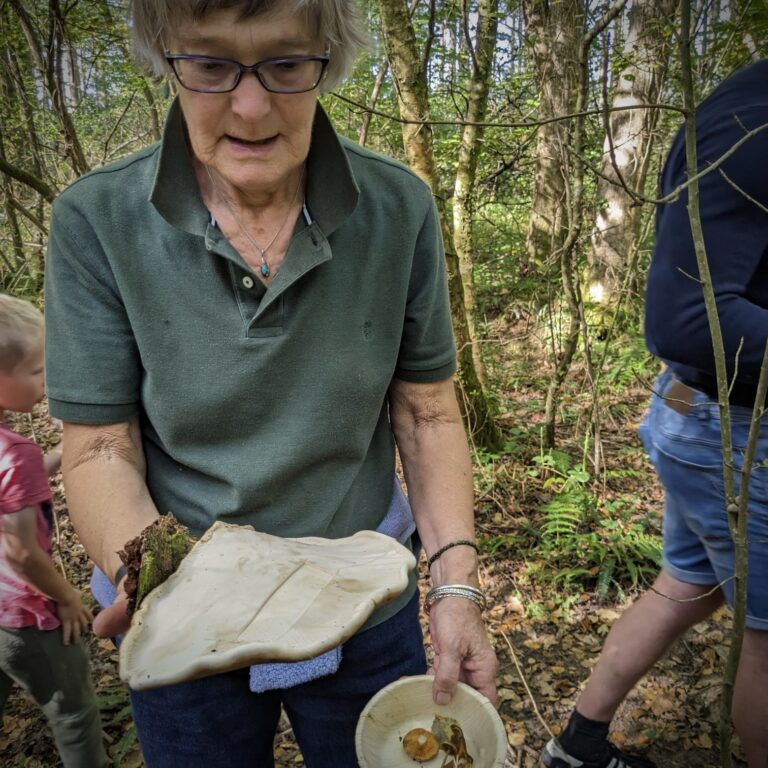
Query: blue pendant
[265,269]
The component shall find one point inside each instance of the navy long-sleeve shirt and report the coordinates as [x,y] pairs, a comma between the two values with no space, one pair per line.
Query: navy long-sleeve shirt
[736,238]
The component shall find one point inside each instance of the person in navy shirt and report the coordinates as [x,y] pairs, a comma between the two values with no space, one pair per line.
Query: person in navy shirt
[681,430]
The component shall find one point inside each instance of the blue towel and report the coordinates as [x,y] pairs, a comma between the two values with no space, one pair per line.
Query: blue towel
[397,523]
[286,674]
[102,588]
[104,592]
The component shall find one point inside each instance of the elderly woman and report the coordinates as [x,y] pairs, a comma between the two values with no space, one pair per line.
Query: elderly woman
[244,320]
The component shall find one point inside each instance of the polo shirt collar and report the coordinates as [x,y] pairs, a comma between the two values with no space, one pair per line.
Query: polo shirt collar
[332,192]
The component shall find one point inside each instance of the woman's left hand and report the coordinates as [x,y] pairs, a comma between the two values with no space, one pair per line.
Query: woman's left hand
[462,650]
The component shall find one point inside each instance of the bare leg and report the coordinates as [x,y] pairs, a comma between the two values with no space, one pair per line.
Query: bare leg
[639,639]
[750,700]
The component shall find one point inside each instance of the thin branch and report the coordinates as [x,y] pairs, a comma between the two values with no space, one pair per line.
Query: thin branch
[691,599]
[713,166]
[525,684]
[602,23]
[690,276]
[116,124]
[27,214]
[521,124]
[19,174]
[430,31]
[467,37]
[741,191]
[675,193]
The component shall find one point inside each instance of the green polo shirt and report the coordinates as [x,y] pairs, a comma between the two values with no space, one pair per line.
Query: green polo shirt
[259,406]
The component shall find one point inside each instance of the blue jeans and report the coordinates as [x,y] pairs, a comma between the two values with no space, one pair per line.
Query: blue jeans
[687,453]
[216,722]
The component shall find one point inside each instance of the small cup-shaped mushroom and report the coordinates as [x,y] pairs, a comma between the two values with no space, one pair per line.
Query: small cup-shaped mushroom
[419,744]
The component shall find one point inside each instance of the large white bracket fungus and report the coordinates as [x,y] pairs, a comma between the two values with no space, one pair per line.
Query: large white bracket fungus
[241,597]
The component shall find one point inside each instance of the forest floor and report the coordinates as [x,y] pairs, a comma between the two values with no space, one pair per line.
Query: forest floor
[547,636]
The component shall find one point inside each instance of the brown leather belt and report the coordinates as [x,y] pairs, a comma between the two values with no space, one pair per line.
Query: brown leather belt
[679,397]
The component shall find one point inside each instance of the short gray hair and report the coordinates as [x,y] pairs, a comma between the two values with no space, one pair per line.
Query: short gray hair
[336,21]
[21,324]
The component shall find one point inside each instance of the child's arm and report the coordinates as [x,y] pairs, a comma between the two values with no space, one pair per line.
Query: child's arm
[33,564]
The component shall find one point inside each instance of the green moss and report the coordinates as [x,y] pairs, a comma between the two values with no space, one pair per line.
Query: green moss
[164,547]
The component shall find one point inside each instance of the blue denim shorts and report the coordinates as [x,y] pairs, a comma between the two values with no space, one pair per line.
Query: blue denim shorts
[686,450]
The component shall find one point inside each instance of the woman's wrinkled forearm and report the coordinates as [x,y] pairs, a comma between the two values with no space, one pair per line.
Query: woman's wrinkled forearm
[438,472]
[104,479]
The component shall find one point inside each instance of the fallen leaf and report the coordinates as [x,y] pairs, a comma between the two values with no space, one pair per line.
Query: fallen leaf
[608,614]
[704,741]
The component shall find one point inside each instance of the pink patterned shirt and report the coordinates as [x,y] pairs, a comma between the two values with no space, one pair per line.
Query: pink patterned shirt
[24,483]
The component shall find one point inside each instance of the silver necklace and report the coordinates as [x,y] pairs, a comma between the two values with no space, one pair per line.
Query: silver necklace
[265,270]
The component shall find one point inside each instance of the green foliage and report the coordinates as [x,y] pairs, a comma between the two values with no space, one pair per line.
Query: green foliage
[128,742]
[115,707]
[627,362]
[496,544]
[588,542]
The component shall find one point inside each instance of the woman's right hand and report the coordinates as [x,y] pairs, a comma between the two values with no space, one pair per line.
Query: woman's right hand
[75,618]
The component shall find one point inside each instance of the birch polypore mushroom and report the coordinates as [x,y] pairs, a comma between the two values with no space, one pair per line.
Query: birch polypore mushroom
[242,597]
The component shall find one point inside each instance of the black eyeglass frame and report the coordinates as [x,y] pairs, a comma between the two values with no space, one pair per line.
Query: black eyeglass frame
[172,58]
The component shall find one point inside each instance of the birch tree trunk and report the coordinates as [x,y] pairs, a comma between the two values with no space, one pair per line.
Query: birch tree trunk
[630,134]
[413,101]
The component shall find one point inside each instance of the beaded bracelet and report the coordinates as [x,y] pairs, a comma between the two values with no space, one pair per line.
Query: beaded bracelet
[454,590]
[459,543]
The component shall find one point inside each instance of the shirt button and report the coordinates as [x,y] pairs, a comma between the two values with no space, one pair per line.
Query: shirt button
[248,281]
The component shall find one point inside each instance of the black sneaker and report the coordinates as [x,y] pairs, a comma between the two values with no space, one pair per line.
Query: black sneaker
[554,756]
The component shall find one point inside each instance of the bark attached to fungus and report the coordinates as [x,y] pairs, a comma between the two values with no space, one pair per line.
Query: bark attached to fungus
[153,556]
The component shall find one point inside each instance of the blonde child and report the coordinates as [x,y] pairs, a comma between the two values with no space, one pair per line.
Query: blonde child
[42,616]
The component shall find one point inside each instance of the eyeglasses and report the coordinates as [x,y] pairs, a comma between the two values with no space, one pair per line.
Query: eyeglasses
[210,74]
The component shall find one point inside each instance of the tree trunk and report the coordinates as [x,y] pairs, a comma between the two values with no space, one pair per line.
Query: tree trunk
[146,91]
[11,219]
[627,149]
[413,102]
[554,31]
[7,94]
[46,62]
[381,76]
[17,95]
[466,172]
[573,216]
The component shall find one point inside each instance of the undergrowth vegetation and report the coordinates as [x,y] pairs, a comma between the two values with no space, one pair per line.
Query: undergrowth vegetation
[571,523]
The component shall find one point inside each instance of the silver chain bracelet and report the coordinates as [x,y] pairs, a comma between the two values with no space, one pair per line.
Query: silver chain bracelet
[454,590]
